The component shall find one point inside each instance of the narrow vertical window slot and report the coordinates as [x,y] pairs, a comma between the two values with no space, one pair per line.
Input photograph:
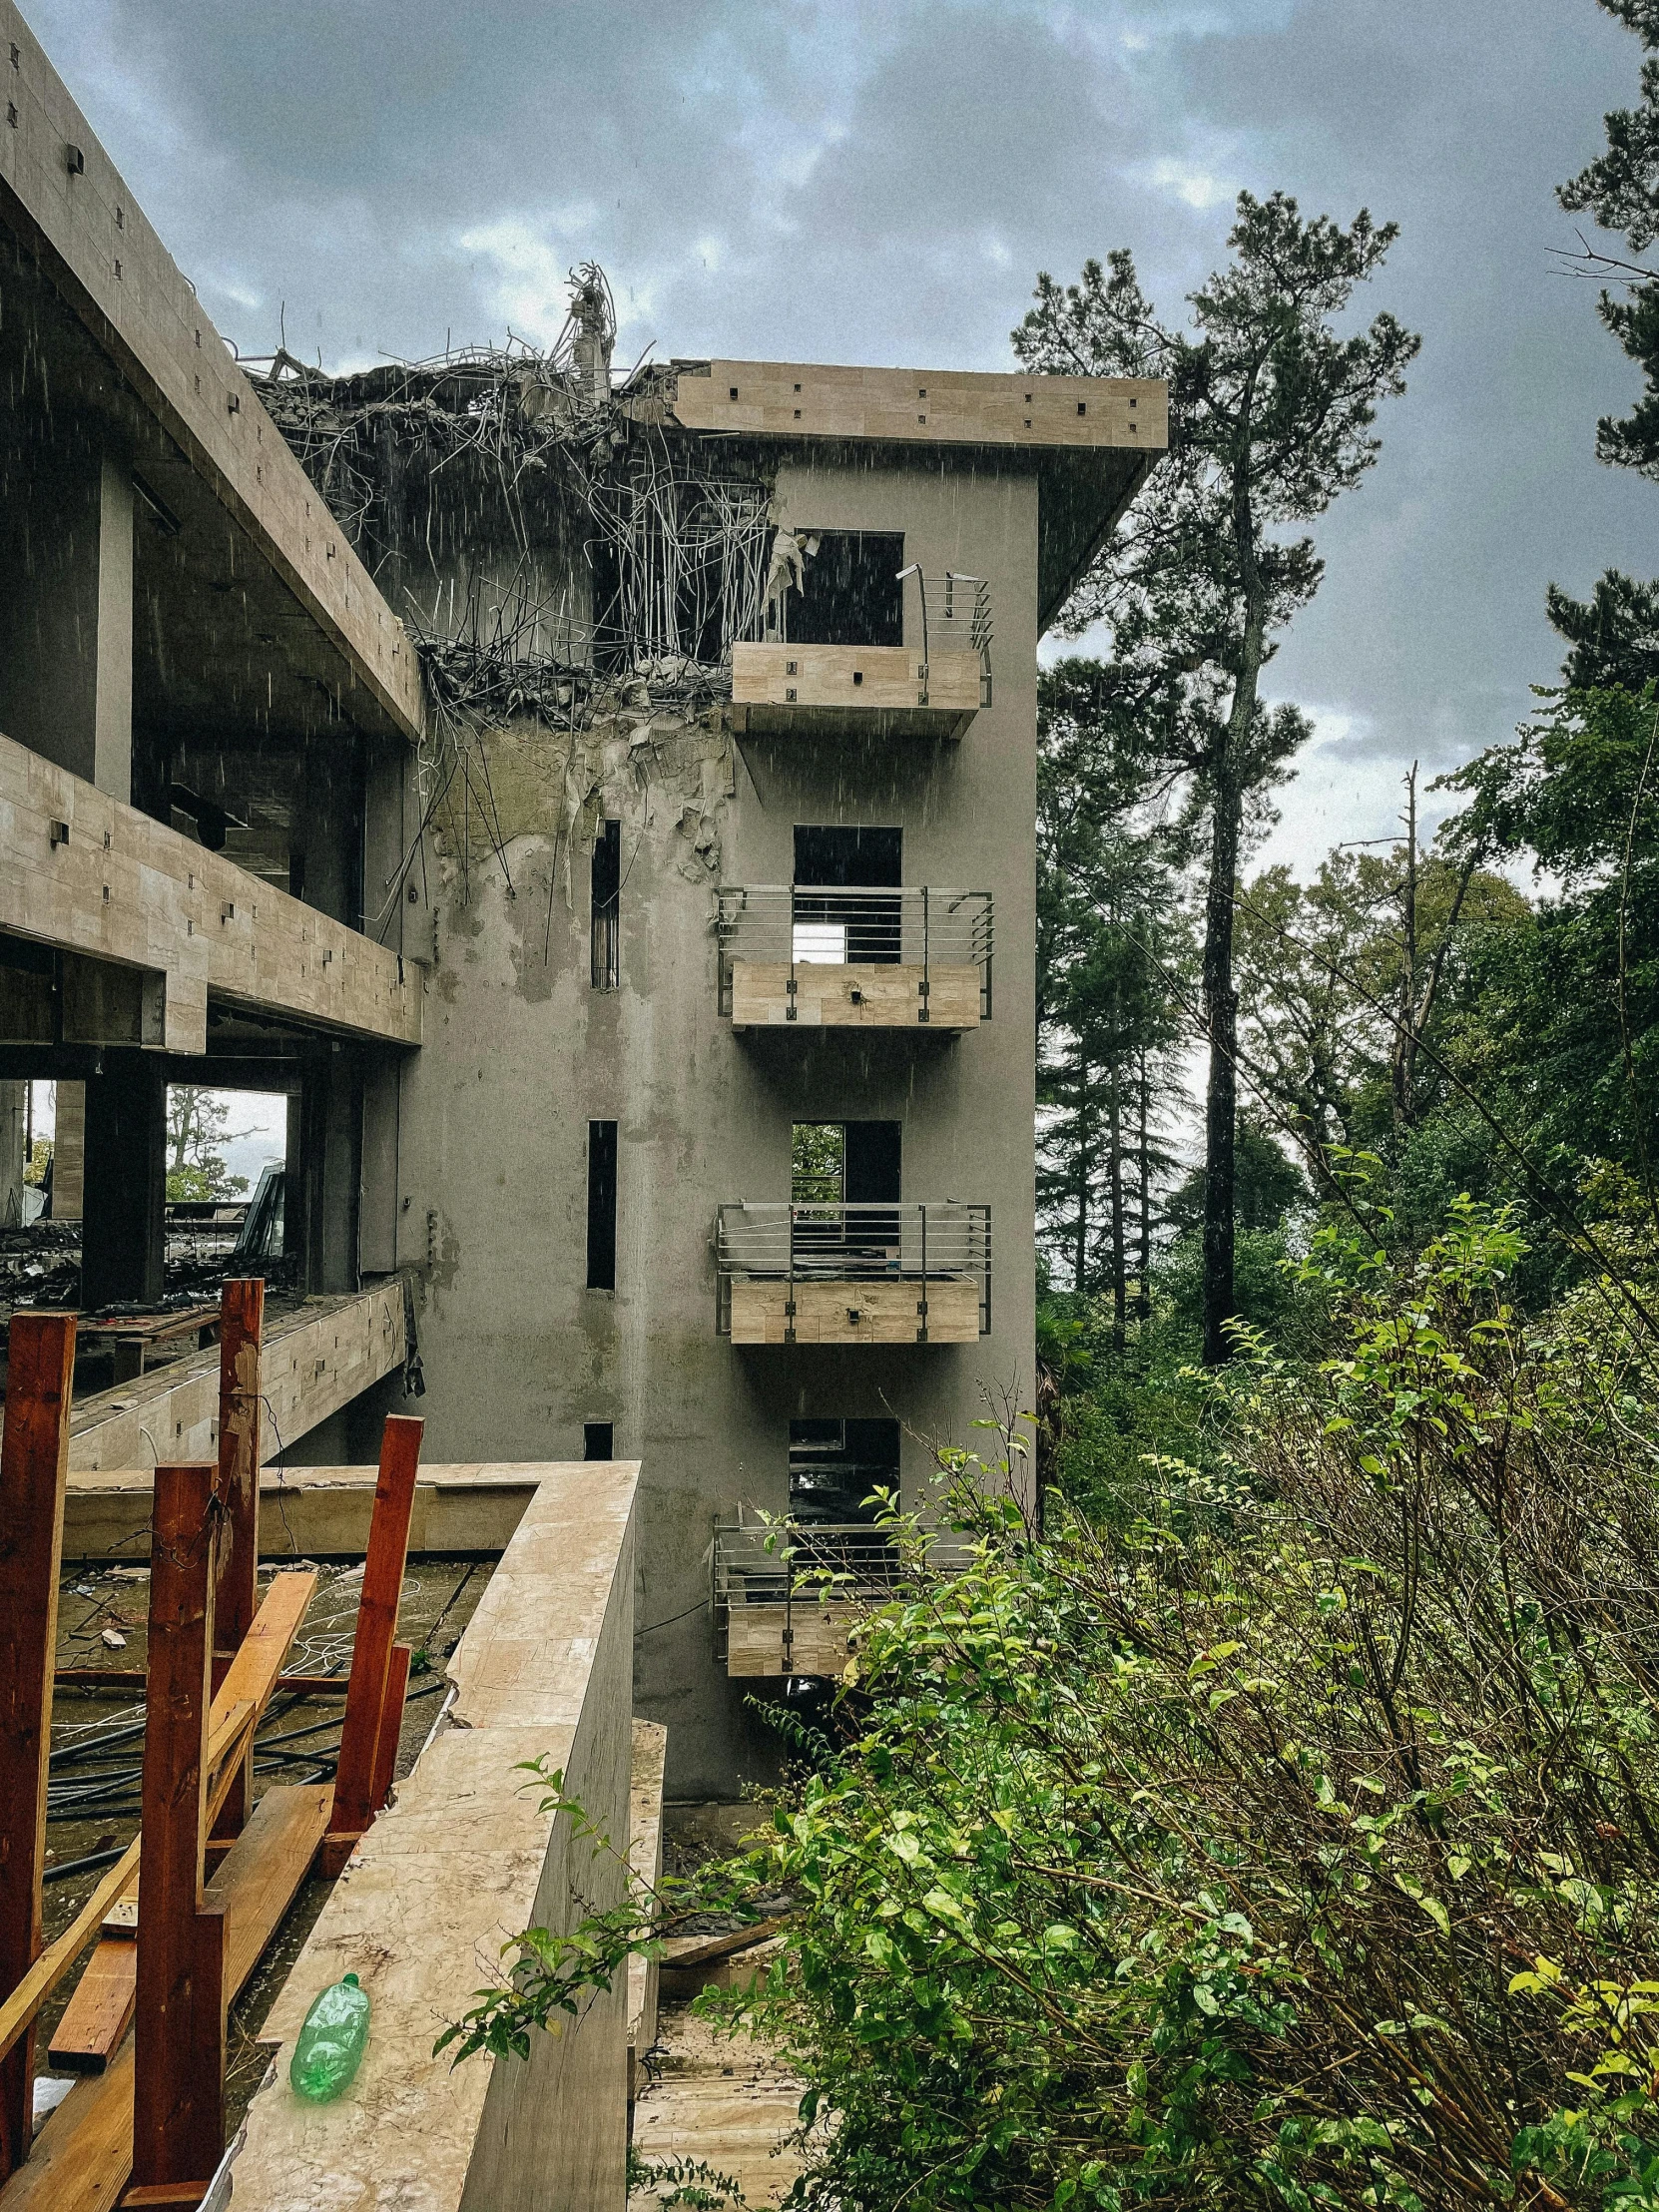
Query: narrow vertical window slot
[598,1439]
[601,1205]
[606,930]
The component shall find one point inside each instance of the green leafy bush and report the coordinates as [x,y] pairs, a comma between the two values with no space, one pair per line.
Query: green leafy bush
[1295,1842]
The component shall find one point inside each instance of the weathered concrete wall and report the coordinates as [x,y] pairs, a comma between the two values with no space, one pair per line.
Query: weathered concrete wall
[461,1863]
[520,1053]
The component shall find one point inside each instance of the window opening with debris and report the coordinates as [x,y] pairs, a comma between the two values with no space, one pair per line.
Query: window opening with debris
[841,587]
[605,926]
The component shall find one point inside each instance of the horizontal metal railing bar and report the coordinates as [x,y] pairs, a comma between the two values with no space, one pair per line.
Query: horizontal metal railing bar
[916,1241]
[848,1558]
[810,923]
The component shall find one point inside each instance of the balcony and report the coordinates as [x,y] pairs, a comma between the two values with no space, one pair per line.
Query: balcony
[786,1595]
[782,688]
[899,1273]
[853,957]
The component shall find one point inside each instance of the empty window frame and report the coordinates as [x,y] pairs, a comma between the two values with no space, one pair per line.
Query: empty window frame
[856,924]
[598,1439]
[601,1205]
[836,1465]
[605,930]
[849,592]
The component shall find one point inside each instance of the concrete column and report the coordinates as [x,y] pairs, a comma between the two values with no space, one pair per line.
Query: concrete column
[12,1102]
[68,1152]
[66,584]
[124,1231]
[330,1149]
[377,1207]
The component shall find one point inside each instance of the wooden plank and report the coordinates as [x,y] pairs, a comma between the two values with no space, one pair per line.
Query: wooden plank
[179,2026]
[389,1545]
[34,1464]
[99,2012]
[84,2153]
[240,1329]
[97,2015]
[392,1724]
[61,1954]
[262,1871]
[703,1950]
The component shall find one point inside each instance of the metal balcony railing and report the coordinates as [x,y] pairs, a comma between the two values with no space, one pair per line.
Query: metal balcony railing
[785,1594]
[914,1244]
[807,924]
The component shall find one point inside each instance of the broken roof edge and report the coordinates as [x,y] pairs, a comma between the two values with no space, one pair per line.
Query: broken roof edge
[64,199]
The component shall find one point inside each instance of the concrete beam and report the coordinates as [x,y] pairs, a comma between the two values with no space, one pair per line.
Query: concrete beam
[461,1861]
[315,1513]
[86,874]
[315,1362]
[62,195]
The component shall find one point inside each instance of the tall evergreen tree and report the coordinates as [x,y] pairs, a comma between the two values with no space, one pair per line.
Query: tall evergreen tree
[1271,417]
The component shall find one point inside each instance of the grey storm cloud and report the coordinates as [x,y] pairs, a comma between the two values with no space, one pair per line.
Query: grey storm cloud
[863,181]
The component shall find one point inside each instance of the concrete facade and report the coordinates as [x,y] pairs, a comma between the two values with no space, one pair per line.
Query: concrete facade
[520,1053]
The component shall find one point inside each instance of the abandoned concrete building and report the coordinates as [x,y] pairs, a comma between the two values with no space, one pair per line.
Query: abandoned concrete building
[603,805]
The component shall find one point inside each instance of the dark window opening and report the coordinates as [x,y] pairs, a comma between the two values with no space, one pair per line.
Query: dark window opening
[601,1205]
[828,854]
[850,593]
[836,1164]
[858,927]
[835,1465]
[605,928]
[597,1439]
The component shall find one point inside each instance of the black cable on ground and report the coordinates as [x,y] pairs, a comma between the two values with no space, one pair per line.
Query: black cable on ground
[84,1866]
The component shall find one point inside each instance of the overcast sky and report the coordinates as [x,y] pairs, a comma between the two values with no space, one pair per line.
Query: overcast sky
[881,182]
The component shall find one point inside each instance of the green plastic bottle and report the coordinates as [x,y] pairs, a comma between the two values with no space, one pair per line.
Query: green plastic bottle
[331,2042]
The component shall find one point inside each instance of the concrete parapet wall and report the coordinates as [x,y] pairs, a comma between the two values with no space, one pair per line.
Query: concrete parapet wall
[85,873]
[463,1862]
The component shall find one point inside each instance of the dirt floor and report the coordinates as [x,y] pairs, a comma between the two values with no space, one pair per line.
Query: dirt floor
[98,1748]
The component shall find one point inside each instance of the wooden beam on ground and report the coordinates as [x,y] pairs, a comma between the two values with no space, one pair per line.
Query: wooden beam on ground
[34,1463]
[240,1329]
[101,2009]
[85,2151]
[365,1700]
[262,1876]
[178,2027]
[60,1955]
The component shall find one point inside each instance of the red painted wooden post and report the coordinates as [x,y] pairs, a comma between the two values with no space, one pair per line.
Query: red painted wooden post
[34,1459]
[365,1697]
[241,1416]
[179,2076]
[392,1724]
